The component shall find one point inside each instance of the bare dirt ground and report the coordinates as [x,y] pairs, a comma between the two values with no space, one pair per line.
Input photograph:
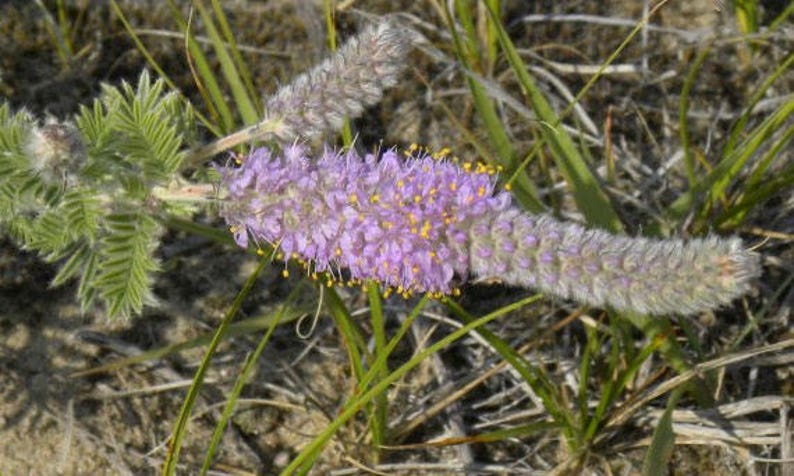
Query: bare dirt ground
[116,422]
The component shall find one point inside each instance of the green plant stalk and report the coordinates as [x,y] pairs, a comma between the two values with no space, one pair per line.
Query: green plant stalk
[352,337]
[178,434]
[312,450]
[381,358]
[379,417]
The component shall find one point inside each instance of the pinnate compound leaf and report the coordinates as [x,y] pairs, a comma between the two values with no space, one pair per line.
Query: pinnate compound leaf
[125,267]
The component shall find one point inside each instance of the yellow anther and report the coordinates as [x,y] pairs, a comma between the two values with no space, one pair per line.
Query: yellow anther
[285,273]
[375,198]
[425,230]
[481,191]
[417,198]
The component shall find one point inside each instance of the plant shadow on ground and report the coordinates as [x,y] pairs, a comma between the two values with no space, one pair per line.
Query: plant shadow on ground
[117,422]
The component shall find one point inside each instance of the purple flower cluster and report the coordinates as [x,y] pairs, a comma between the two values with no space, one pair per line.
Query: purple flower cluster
[415,223]
[401,222]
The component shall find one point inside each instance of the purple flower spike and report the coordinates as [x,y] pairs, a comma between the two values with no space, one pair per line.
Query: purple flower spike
[415,224]
[400,222]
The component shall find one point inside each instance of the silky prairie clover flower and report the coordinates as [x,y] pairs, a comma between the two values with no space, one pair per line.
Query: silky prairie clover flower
[415,224]
[343,85]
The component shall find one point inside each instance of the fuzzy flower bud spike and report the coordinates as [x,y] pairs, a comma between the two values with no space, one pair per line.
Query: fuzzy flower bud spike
[416,224]
[318,101]
[341,86]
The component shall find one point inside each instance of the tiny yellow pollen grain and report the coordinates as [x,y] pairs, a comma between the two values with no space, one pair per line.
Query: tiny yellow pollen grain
[375,198]
[417,198]
[285,273]
[453,186]
[467,166]
[508,186]
[400,183]
[353,198]
[260,252]
[481,191]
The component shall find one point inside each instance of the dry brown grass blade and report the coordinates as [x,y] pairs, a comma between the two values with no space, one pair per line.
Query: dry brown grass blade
[630,409]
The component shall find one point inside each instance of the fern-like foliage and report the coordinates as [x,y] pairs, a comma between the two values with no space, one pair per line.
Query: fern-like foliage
[84,196]
[126,264]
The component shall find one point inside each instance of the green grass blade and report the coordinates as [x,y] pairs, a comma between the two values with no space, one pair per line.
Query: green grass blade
[241,66]
[302,463]
[229,70]
[207,82]
[590,198]
[683,110]
[180,428]
[535,376]
[662,443]
[523,190]
[717,181]
[243,378]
